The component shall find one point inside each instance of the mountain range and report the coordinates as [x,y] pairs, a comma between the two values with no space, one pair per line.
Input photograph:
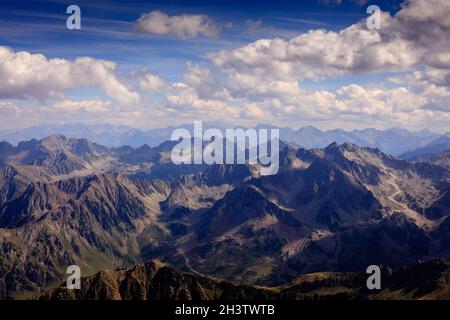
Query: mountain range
[154,280]
[67,201]
[395,141]
[433,148]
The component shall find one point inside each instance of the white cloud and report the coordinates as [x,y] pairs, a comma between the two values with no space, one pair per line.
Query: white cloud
[244,85]
[188,98]
[424,77]
[253,111]
[417,35]
[244,97]
[26,75]
[81,105]
[262,80]
[252,26]
[151,82]
[432,84]
[181,26]
[7,108]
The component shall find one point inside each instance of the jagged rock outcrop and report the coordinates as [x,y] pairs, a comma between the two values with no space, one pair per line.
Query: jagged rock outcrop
[156,281]
[340,208]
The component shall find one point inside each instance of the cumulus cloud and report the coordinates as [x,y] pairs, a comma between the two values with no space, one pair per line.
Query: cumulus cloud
[151,82]
[318,53]
[253,111]
[26,75]
[438,98]
[431,83]
[416,35]
[425,77]
[262,80]
[80,105]
[7,108]
[207,83]
[245,97]
[252,26]
[181,26]
[187,98]
[365,106]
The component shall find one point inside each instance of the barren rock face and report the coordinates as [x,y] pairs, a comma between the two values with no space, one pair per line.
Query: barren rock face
[338,209]
[155,281]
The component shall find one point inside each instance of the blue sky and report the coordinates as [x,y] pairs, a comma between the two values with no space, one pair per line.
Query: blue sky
[107,27]
[109,33]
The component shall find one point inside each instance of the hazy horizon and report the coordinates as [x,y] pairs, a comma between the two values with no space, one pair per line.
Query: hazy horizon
[219,125]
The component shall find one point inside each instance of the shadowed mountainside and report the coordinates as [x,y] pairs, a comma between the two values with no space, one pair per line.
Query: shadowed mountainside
[336,209]
[155,281]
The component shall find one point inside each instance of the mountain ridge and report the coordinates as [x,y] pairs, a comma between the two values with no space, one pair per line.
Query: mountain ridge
[394,140]
[336,209]
[154,280]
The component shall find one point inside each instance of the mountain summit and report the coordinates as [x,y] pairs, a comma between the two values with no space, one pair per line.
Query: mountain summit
[334,209]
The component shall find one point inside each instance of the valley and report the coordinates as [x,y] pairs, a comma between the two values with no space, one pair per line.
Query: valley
[340,208]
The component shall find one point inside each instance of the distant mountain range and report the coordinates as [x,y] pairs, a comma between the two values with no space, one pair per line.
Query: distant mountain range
[440,159]
[104,134]
[340,208]
[433,148]
[394,141]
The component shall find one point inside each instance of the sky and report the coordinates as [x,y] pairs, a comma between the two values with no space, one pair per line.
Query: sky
[151,64]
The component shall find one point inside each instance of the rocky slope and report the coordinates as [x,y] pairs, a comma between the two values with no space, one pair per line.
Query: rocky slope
[441,159]
[336,209]
[155,281]
[340,208]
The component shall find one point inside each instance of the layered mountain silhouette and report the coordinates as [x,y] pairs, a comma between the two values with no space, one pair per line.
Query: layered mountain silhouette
[441,159]
[393,141]
[435,147]
[67,201]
